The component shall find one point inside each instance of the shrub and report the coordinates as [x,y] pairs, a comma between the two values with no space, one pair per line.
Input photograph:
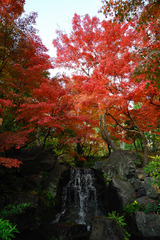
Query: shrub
[11,210]
[121,222]
[7,230]
[153,169]
[131,208]
[152,207]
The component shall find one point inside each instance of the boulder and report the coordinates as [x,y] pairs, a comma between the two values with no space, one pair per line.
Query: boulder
[145,201]
[120,193]
[124,163]
[54,178]
[152,190]
[106,229]
[139,188]
[141,174]
[148,224]
[66,231]
[121,163]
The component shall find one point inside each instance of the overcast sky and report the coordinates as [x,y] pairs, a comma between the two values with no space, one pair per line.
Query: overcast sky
[58,14]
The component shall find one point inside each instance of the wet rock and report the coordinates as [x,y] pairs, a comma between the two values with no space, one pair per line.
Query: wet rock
[66,231]
[106,229]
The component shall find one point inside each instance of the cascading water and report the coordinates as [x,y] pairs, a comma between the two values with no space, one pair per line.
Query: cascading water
[79,198]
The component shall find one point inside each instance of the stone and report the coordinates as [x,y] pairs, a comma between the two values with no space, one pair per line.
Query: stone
[140,193]
[139,188]
[148,224]
[124,163]
[121,193]
[66,231]
[105,168]
[138,184]
[48,163]
[141,174]
[106,229]
[54,178]
[145,201]
[152,190]
[121,163]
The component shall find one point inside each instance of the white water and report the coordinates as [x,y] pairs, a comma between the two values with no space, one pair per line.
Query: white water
[79,197]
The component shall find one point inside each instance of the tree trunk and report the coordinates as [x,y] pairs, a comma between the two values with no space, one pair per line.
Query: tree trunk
[145,148]
[79,148]
[134,142]
[105,133]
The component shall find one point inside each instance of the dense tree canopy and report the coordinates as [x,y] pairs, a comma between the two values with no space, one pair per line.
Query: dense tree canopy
[104,57]
[144,11]
[113,81]
[30,102]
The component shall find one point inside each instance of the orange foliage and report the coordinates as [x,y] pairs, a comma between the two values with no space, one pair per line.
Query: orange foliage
[10,162]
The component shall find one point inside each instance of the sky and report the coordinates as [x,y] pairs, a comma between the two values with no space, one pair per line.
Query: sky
[58,14]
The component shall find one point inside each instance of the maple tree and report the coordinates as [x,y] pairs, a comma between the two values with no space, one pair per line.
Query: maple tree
[23,67]
[103,56]
[145,11]
[33,106]
[146,14]
[113,82]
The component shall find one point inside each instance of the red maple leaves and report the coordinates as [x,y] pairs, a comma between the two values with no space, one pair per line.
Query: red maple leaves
[113,82]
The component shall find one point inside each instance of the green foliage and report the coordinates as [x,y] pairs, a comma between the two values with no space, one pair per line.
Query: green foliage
[137,106]
[7,230]
[119,219]
[11,210]
[91,160]
[131,208]
[153,169]
[48,199]
[138,143]
[139,161]
[121,222]
[153,140]
[107,179]
[67,160]
[153,207]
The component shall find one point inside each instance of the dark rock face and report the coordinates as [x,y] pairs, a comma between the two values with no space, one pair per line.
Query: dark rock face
[121,163]
[128,184]
[124,164]
[144,226]
[121,169]
[152,190]
[148,224]
[66,231]
[106,229]
[120,193]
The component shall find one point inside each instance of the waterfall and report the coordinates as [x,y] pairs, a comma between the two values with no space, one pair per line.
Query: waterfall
[79,198]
